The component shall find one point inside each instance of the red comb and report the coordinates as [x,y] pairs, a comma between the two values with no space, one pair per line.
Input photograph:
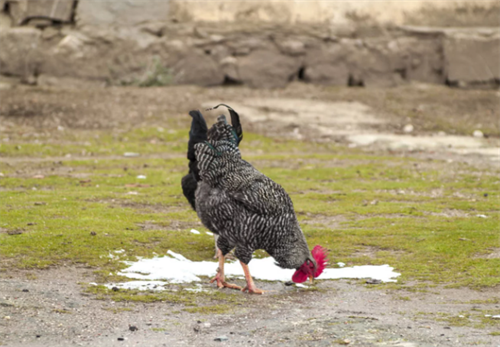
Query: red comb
[319,254]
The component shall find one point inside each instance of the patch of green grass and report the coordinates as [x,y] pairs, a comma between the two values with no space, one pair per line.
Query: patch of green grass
[214,309]
[419,217]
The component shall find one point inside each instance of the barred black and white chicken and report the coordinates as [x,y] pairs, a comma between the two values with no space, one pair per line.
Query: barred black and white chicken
[248,211]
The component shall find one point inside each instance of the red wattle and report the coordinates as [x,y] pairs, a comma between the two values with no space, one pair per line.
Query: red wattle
[299,276]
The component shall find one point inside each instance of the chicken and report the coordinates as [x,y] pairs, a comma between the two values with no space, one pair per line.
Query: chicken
[197,134]
[248,211]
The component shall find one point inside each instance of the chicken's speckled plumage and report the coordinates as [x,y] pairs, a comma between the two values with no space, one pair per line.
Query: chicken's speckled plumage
[247,209]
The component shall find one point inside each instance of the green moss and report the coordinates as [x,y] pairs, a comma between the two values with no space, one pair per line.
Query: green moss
[215,309]
[419,217]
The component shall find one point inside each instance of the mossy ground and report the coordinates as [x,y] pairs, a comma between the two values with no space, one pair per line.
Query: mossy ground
[422,217]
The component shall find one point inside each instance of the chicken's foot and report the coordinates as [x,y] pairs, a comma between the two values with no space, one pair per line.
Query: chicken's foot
[252,289]
[220,278]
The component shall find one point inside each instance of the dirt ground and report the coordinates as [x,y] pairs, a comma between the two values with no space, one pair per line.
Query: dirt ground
[50,308]
[52,311]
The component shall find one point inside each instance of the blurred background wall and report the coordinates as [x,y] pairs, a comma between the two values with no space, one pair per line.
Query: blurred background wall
[263,44]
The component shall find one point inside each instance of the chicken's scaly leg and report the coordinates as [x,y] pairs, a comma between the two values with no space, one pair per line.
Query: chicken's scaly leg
[220,278]
[252,289]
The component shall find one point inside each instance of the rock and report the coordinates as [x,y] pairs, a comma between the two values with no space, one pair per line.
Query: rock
[422,58]
[267,69]
[133,328]
[121,13]
[221,338]
[472,58]
[291,47]
[328,66]
[229,67]
[373,281]
[478,133]
[22,11]
[408,128]
[50,33]
[5,21]
[20,53]
[199,69]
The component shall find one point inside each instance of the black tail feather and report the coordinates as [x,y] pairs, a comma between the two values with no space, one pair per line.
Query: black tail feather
[197,134]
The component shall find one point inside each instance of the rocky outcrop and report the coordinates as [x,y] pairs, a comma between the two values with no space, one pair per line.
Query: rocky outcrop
[133,42]
[20,53]
[121,13]
[472,59]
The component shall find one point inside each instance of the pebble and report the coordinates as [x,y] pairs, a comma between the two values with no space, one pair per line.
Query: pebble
[25,290]
[93,233]
[221,338]
[373,281]
[133,328]
[121,339]
[408,128]
[130,154]
[478,133]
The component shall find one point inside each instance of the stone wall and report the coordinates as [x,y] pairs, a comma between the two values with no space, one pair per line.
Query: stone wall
[92,42]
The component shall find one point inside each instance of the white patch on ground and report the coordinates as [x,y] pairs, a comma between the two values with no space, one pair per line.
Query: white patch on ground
[175,268]
[354,122]
[194,231]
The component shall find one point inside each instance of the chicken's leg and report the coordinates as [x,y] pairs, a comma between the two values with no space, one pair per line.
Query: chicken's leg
[220,278]
[252,289]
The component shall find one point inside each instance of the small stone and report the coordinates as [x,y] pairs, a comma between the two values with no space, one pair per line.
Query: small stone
[6,317]
[447,327]
[25,290]
[485,195]
[373,281]
[130,154]
[133,328]
[115,289]
[289,283]
[221,338]
[93,233]
[39,176]
[38,336]
[478,133]
[121,339]
[408,128]
[40,203]
[30,223]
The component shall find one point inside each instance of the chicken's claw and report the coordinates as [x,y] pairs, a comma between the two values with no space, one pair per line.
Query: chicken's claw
[253,290]
[223,284]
